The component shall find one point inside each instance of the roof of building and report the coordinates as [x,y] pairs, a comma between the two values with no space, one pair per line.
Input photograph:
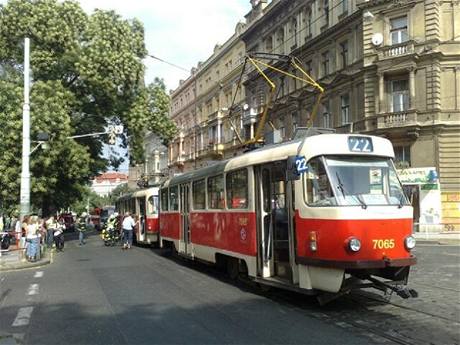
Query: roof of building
[112,177]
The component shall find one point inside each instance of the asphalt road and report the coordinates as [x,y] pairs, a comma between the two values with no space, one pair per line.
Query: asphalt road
[101,295]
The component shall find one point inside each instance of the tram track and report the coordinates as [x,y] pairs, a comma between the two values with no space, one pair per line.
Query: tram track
[439,287]
[384,322]
[388,302]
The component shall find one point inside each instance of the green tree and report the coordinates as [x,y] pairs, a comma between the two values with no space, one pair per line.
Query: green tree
[88,73]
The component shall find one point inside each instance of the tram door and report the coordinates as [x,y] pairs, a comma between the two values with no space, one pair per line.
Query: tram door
[142,212]
[184,244]
[272,208]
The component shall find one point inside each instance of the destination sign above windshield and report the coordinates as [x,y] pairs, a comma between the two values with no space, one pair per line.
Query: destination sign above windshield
[360,144]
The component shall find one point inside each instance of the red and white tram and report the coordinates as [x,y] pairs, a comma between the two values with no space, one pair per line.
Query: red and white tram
[325,213]
[144,207]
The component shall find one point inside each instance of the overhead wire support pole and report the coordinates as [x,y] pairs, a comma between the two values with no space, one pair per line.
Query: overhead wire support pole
[294,62]
[238,86]
[270,96]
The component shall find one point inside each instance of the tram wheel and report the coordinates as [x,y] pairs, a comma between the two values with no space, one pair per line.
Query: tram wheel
[233,268]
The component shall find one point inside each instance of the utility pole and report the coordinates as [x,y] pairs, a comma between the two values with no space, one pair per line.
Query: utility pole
[25,172]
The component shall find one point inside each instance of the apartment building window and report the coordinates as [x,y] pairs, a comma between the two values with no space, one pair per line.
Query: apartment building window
[307,22]
[269,44]
[326,116]
[294,34]
[399,95]
[279,40]
[326,12]
[344,6]
[283,131]
[345,108]
[309,68]
[344,54]
[398,30]
[325,63]
[402,154]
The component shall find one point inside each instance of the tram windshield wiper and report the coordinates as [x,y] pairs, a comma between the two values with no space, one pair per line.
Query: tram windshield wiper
[344,193]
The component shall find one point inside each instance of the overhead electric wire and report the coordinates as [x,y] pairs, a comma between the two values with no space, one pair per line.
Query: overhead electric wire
[168,63]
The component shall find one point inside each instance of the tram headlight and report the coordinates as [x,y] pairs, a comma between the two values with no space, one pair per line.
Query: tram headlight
[409,242]
[354,244]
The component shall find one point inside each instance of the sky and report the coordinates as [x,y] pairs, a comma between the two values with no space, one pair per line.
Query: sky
[182,32]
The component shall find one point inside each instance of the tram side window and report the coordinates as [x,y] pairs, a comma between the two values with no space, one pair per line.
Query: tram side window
[164,199]
[237,189]
[216,192]
[153,204]
[317,186]
[199,195]
[173,199]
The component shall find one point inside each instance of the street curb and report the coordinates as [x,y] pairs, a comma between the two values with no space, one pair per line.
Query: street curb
[439,242]
[26,264]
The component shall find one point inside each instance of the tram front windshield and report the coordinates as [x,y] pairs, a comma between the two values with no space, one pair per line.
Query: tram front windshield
[352,181]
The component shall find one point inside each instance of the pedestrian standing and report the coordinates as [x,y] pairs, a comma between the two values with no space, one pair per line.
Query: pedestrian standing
[81,227]
[51,226]
[128,228]
[32,239]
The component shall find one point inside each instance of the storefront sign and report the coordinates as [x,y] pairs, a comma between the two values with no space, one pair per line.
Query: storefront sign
[418,175]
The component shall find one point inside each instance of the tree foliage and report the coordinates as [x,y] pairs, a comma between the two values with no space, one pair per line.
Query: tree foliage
[88,73]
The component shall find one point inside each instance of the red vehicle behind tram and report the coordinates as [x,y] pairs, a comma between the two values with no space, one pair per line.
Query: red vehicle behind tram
[143,206]
[324,214]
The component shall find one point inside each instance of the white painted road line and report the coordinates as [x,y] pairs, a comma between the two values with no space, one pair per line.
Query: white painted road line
[33,289]
[38,274]
[23,317]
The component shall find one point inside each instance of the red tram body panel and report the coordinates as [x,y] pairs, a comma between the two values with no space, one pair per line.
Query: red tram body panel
[233,232]
[332,235]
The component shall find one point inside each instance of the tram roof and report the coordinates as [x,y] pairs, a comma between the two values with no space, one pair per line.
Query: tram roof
[311,146]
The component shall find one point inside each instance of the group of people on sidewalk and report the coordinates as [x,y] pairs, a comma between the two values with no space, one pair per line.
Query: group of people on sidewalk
[37,232]
[40,232]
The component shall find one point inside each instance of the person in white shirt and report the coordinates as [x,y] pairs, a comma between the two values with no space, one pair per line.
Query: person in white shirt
[128,228]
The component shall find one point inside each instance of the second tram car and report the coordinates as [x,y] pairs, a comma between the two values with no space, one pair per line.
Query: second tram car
[325,213]
[144,207]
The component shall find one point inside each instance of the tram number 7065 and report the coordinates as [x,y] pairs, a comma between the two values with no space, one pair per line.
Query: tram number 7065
[384,244]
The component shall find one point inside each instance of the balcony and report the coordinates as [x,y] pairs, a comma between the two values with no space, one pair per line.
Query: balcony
[250,115]
[345,128]
[211,151]
[397,119]
[219,114]
[396,50]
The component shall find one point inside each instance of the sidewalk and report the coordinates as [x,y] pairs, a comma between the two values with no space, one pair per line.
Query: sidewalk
[445,237]
[15,259]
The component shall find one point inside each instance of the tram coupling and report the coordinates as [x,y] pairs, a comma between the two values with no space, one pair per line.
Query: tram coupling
[401,291]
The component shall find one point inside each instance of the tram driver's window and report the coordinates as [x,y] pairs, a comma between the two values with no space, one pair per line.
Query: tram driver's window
[216,192]
[173,199]
[318,187]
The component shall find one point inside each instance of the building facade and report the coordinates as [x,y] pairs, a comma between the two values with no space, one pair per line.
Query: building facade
[389,68]
[105,183]
[155,166]
[208,107]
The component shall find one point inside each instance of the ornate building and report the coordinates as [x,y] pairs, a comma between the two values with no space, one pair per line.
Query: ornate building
[389,68]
